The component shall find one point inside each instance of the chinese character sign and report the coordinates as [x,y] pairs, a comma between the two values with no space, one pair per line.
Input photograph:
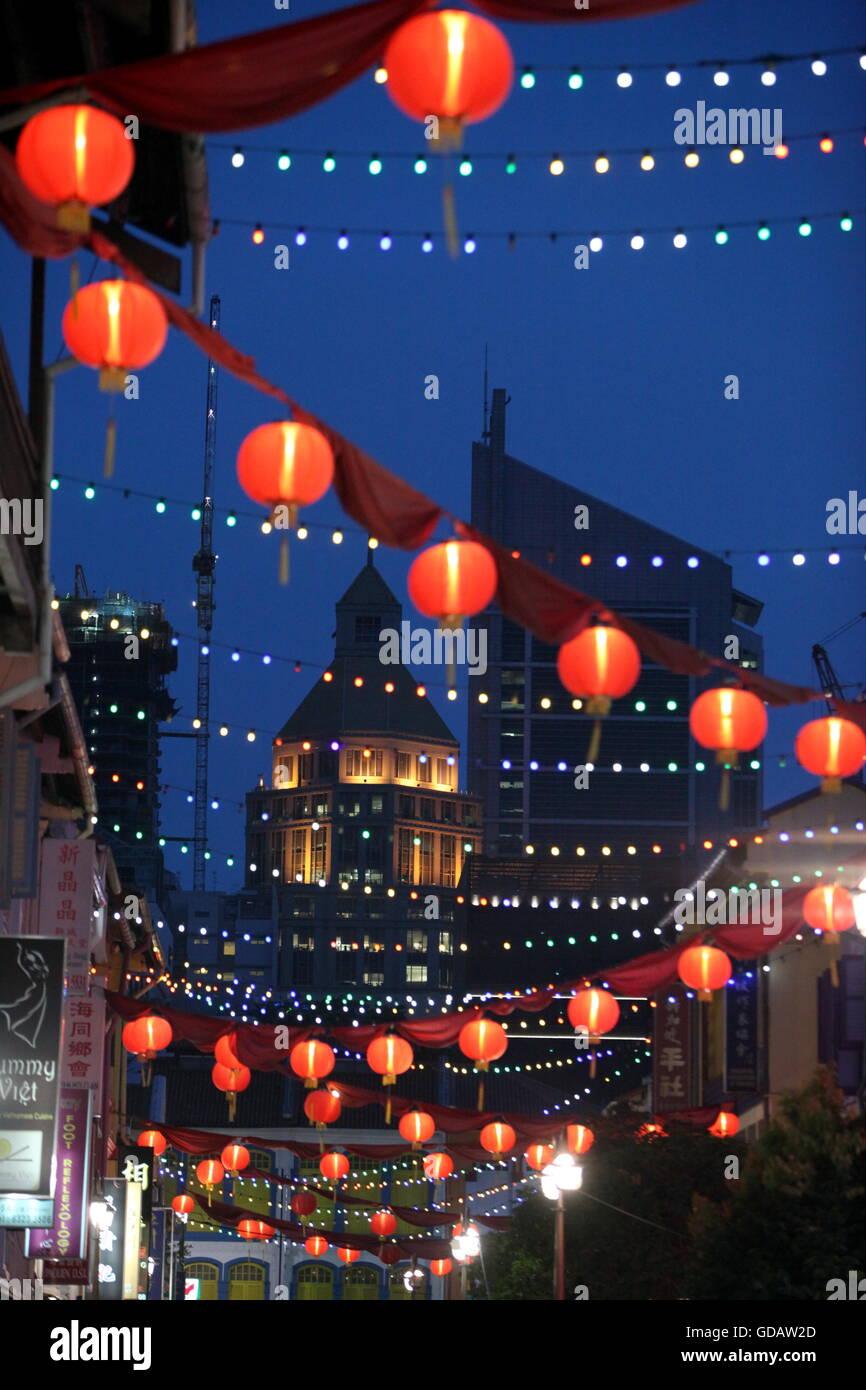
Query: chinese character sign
[742,1069]
[671,1053]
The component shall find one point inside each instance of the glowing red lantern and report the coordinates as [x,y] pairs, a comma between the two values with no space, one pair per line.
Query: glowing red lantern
[252,1229]
[390,1056]
[704,968]
[389,1255]
[183,1204]
[75,157]
[334,1166]
[231,1080]
[147,1035]
[725,1125]
[313,1060]
[209,1172]
[441,1267]
[416,1127]
[450,64]
[322,1108]
[498,1138]
[600,665]
[483,1041]
[595,1011]
[116,327]
[224,1052]
[285,465]
[829,908]
[831,749]
[348,1257]
[579,1139]
[730,721]
[152,1139]
[235,1158]
[452,581]
[383,1223]
[316,1245]
[539,1155]
[438,1166]
[304,1203]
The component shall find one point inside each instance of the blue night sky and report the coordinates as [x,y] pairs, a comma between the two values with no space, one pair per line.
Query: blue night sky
[615,372]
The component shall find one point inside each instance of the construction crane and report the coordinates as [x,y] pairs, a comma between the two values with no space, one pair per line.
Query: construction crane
[829,681]
[204,565]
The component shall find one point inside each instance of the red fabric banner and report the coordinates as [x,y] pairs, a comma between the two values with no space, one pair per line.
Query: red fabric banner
[422,1248]
[259,78]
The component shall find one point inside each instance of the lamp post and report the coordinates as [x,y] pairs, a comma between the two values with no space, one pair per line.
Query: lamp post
[563,1175]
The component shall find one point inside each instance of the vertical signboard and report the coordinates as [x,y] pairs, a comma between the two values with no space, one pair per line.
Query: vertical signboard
[110,1232]
[67,1238]
[671,1053]
[742,1067]
[31,1003]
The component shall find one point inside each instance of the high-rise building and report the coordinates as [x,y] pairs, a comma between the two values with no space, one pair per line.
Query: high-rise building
[355,848]
[121,652]
[650,782]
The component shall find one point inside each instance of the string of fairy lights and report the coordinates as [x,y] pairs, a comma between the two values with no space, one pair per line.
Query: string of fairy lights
[165,505]
[556,163]
[676,235]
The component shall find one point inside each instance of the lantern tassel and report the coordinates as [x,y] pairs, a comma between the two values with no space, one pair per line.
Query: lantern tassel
[110,448]
[449,219]
[480,1093]
[592,1065]
[233,1105]
[594,742]
[833,943]
[725,789]
[284,559]
[74,285]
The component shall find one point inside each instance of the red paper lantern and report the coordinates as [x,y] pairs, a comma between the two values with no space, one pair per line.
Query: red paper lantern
[348,1256]
[438,1166]
[285,464]
[74,157]
[313,1060]
[539,1155]
[146,1035]
[230,1079]
[390,1056]
[484,1041]
[704,968]
[498,1138]
[224,1051]
[383,1223]
[594,1010]
[831,748]
[183,1204]
[600,665]
[209,1172]
[304,1203]
[416,1127]
[450,64]
[389,1255]
[579,1139]
[116,327]
[322,1108]
[730,721]
[829,908]
[725,1126]
[334,1166]
[152,1139]
[316,1245]
[252,1229]
[452,581]
[441,1267]
[235,1158]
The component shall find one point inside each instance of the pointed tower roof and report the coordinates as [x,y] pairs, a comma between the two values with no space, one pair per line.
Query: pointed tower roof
[339,706]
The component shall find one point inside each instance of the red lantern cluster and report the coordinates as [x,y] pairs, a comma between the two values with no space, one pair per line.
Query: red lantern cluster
[231,1080]
[146,1035]
[252,1229]
[322,1108]
[74,157]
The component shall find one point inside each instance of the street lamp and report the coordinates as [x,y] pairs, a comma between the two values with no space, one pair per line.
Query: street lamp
[563,1175]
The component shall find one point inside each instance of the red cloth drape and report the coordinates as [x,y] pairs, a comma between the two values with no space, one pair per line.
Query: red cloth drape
[259,78]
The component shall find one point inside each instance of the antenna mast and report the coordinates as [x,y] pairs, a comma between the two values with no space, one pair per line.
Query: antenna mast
[204,564]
